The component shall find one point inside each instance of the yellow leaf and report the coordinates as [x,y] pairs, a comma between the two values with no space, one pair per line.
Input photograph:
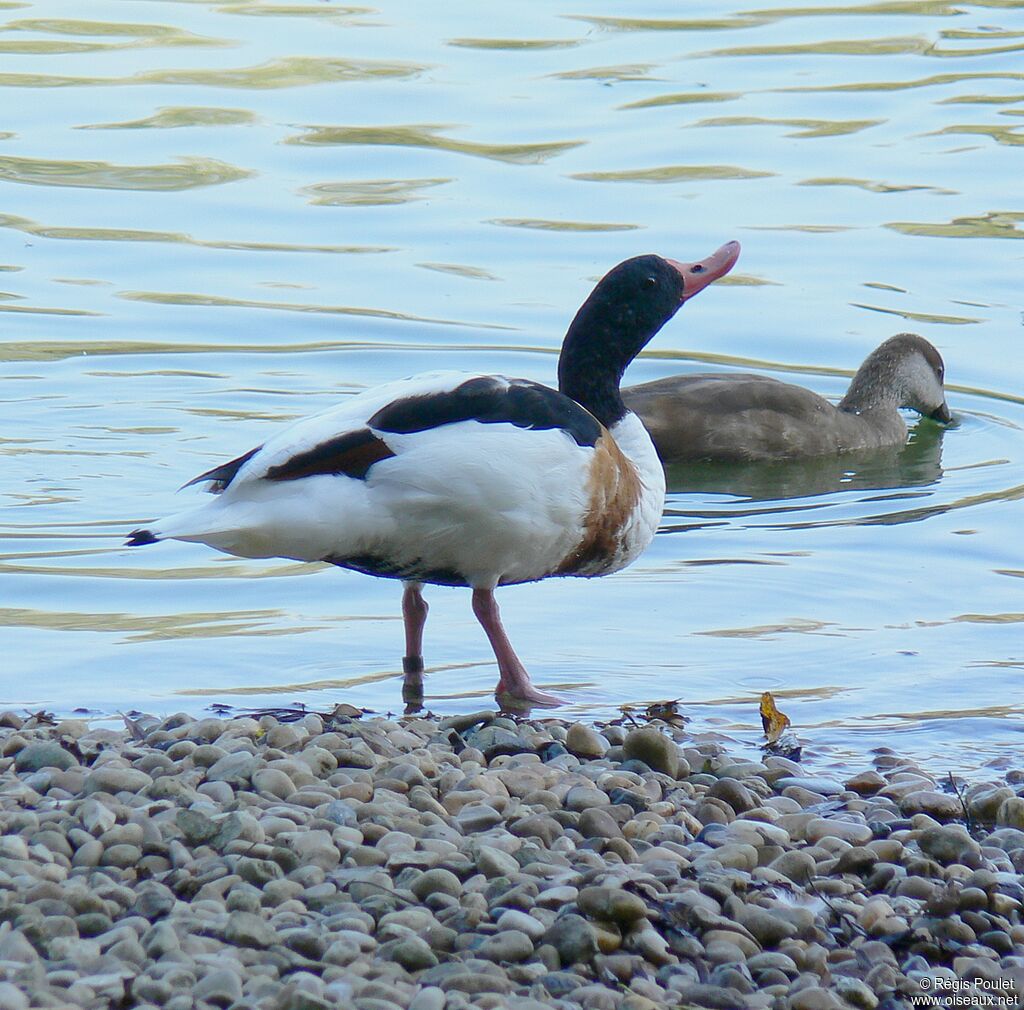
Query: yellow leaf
[773,721]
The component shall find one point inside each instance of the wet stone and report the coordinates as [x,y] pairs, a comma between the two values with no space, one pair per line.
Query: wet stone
[585,742]
[44,754]
[246,929]
[508,945]
[574,939]
[941,806]
[737,795]
[946,844]
[654,749]
[437,881]
[612,904]
[413,954]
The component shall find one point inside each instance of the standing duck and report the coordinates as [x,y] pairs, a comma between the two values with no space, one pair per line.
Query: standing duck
[733,417]
[469,480]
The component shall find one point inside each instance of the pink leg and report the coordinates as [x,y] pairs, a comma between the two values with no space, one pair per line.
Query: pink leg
[513,682]
[414,614]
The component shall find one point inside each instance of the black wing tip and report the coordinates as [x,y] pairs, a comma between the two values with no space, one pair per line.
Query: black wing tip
[139,538]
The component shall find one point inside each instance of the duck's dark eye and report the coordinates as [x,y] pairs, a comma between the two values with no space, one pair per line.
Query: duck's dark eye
[650,282]
[697,268]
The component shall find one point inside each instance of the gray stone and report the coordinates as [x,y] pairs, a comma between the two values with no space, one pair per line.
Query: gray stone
[983,801]
[221,986]
[272,782]
[197,828]
[523,923]
[585,742]
[508,945]
[494,863]
[823,786]
[12,998]
[246,929]
[236,769]
[865,783]
[474,817]
[112,779]
[436,881]
[43,754]
[767,928]
[1011,813]
[798,865]
[580,798]
[654,749]
[574,939]
[428,998]
[542,826]
[612,905]
[715,997]
[342,812]
[946,843]
[855,992]
[258,871]
[819,828]
[735,793]
[814,998]
[598,823]
[941,806]
[493,741]
[413,954]
[14,946]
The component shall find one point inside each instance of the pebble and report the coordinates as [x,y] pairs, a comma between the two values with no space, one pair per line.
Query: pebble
[822,786]
[941,806]
[654,749]
[508,945]
[436,881]
[946,844]
[585,742]
[43,754]
[480,862]
[612,904]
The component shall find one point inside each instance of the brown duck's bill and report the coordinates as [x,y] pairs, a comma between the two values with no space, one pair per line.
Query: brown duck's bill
[697,276]
[941,414]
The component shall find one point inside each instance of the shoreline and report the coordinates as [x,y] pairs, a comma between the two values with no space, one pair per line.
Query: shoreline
[476,861]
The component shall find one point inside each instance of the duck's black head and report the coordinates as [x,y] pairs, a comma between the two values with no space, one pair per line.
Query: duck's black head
[626,309]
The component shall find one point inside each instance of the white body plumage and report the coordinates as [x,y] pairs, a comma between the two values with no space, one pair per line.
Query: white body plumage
[479,504]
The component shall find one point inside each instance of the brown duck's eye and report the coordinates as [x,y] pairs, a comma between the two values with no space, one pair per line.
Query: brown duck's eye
[697,269]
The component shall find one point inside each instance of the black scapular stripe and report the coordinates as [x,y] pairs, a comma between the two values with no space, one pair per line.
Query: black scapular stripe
[224,474]
[351,454]
[490,401]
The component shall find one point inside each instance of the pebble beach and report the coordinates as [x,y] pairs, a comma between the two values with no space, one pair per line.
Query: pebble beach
[417,863]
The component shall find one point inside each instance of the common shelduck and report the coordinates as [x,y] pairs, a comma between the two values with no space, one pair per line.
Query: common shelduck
[470,480]
[734,417]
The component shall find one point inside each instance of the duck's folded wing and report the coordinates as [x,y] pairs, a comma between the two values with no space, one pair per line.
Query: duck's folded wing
[349,439]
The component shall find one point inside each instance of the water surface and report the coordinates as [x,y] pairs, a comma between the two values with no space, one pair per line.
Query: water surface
[215,217]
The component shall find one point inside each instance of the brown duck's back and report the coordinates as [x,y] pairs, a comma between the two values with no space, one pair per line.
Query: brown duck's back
[735,417]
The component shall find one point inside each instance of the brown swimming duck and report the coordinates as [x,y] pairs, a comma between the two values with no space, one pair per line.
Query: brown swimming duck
[736,417]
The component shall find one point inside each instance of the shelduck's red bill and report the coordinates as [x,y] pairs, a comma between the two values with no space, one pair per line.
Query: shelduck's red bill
[697,276]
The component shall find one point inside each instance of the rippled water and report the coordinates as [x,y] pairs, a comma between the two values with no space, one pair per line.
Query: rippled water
[215,217]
